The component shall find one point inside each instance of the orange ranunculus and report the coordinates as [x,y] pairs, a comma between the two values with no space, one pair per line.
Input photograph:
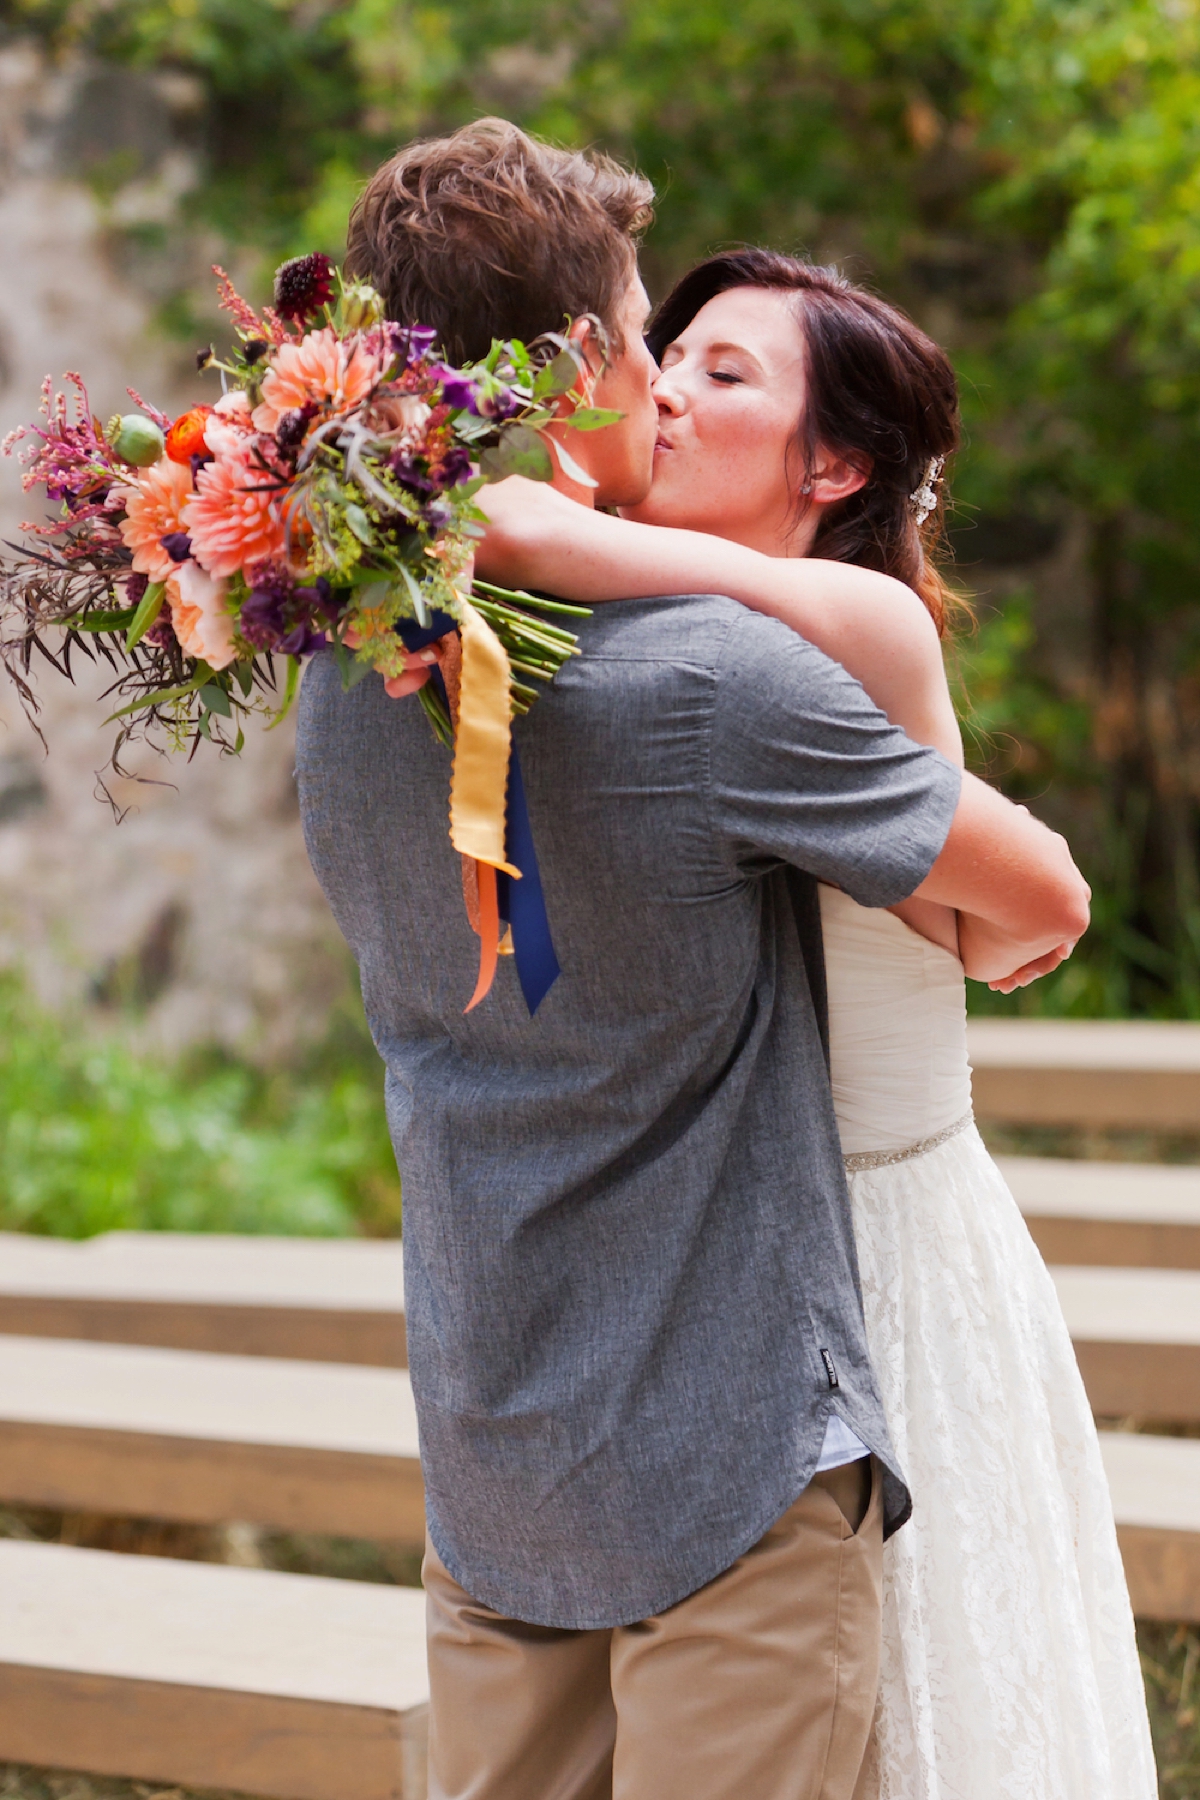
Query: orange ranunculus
[185,439]
[320,367]
[233,519]
[154,507]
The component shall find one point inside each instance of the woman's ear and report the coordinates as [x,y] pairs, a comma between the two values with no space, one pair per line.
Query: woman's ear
[834,478]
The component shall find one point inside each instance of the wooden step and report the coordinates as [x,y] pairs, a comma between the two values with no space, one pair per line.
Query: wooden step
[1128,1073]
[322,1299]
[178,1434]
[1155,1486]
[1126,1215]
[284,1685]
[1137,1338]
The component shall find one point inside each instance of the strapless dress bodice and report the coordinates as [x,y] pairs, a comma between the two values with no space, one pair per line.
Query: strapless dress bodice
[897,1027]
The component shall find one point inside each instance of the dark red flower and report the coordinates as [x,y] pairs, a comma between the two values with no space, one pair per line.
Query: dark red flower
[303,286]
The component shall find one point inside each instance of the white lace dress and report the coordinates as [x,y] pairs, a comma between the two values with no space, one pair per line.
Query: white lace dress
[1010,1670]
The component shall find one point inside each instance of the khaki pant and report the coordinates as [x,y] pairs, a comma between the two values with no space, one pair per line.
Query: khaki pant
[760,1686]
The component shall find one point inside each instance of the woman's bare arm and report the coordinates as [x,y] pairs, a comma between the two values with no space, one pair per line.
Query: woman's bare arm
[875,627]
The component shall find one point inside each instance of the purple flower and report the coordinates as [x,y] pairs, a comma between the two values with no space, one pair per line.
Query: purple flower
[413,473]
[262,621]
[455,467]
[319,599]
[457,391]
[162,633]
[437,515]
[302,641]
[278,615]
[411,343]
[289,432]
[177,544]
[501,403]
[135,588]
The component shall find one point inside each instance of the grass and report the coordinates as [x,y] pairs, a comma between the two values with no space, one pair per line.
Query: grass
[1171,1665]
[245,1546]
[19,1782]
[94,1137]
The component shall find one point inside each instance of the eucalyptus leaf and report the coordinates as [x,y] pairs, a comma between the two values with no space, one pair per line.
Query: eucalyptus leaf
[359,523]
[593,418]
[558,376]
[216,699]
[519,452]
[359,670]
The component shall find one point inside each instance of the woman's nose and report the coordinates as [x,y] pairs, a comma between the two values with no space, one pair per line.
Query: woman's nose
[666,393]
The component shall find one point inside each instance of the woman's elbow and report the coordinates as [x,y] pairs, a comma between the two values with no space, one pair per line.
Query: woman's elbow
[1067,910]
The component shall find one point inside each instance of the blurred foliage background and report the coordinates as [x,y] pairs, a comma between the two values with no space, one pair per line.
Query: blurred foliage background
[1022,175]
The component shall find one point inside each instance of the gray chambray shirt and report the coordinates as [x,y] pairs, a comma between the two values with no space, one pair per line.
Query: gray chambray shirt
[629,1266]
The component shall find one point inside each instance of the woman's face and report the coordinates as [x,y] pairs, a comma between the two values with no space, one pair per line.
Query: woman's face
[730,396]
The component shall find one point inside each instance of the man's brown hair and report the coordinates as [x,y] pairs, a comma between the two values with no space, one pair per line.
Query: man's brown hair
[490,234]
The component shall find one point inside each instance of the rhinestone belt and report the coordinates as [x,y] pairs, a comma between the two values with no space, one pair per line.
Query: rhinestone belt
[883,1159]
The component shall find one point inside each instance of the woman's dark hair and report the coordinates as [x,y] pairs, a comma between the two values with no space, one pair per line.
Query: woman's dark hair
[879,393]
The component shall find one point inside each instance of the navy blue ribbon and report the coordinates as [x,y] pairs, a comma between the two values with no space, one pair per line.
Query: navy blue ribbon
[522,903]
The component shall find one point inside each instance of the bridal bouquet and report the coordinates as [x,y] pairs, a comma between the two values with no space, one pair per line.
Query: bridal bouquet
[324,500]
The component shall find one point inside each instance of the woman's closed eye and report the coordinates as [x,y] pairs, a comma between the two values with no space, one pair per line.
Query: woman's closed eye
[726,377]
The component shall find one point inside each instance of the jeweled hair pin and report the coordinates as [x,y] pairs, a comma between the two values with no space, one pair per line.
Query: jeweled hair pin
[924,499]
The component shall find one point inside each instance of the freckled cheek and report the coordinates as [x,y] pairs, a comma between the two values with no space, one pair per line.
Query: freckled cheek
[738,455]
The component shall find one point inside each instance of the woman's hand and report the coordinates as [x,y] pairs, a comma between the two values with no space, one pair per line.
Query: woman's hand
[1032,971]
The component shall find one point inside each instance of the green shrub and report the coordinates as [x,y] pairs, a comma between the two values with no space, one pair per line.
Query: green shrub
[94,1137]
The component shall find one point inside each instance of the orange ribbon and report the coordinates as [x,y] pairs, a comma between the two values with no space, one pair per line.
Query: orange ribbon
[476,674]
[489,932]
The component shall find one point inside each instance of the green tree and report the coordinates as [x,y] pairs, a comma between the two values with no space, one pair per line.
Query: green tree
[1021,174]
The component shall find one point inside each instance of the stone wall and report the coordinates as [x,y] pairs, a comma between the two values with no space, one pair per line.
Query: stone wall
[197,917]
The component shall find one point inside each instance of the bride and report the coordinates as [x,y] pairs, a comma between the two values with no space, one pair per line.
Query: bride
[800,416]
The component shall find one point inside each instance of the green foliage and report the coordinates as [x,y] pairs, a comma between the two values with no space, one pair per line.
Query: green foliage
[95,1138]
[1023,175]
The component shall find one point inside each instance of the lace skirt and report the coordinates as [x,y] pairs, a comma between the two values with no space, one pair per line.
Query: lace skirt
[1010,1670]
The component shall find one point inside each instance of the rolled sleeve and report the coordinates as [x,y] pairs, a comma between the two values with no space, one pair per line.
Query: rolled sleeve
[805,769]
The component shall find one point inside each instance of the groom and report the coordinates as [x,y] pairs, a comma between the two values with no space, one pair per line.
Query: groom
[657,1471]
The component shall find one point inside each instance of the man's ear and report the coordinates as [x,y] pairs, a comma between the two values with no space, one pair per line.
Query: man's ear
[582,334]
[834,478]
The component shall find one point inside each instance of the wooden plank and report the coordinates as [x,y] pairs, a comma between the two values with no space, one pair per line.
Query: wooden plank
[284,1685]
[318,1299]
[1137,1337]
[1155,1485]
[1119,1073]
[182,1435]
[1121,1215]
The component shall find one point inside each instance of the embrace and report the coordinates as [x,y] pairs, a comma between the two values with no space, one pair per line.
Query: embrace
[757,1463]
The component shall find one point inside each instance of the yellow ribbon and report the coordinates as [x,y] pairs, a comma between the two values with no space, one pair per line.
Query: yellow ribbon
[482,743]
